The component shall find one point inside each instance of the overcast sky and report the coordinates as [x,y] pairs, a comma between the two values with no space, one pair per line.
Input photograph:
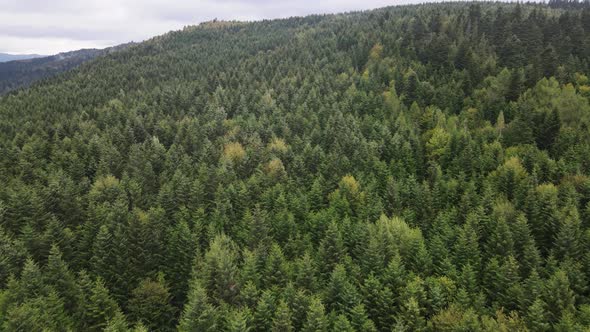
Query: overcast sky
[53,26]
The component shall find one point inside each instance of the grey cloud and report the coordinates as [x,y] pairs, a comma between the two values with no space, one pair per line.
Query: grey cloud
[59,32]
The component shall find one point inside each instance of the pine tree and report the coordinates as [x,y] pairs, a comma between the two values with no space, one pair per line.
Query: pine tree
[511,291]
[249,272]
[58,275]
[411,316]
[559,297]
[198,314]
[238,320]
[360,321]
[24,317]
[306,272]
[13,252]
[117,324]
[30,284]
[500,241]
[395,274]
[282,319]
[379,302]
[263,317]
[275,270]
[102,254]
[181,249]
[341,294]
[331,249]
[568,240]
[220,271]
[101,307]
[316,320]
[493,280]
[467,247]
[53,313]
[82,314]
[341,324]
[544,222]
[533,290]
[150,305]
[258,228]
[536,316]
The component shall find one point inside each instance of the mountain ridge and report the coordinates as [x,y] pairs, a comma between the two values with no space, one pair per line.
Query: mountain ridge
[21,73]
[5,57]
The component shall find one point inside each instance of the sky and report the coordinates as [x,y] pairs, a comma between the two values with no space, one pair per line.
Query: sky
[53,26]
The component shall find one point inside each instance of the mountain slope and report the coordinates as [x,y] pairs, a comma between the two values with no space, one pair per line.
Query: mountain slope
[4,57]
[417,168]
[19,73]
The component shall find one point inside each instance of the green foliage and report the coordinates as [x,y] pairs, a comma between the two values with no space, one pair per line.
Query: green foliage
[198,314]
[415,168]
[150,305]
[101,307]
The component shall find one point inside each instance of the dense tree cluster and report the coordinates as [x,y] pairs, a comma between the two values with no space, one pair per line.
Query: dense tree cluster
[414,168]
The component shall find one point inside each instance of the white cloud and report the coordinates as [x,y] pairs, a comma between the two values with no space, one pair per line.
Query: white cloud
[48,27]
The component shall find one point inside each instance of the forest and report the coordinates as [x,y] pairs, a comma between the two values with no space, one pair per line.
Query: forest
[410,168]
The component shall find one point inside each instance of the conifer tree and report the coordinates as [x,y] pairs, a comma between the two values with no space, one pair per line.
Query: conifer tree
[379,302]
[58,275]
[341,294]
[316,320]
[559,297]
[102,308]
[150,305]
[537,317]
[181,249]
[220,271]
[263,317]
[341,323]
[238,320]
[117,324]
[198,314]
[282,319]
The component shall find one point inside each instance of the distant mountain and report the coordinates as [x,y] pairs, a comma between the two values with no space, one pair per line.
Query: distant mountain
[22,73]
[5,57]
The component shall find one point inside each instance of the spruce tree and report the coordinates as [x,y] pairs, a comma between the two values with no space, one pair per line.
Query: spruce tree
[101,307]
[282,321]
[198,314]
[316,320]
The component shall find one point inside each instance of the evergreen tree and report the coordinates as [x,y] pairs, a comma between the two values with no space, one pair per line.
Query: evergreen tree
[181,249]
[559,297]
[101,307]
[316,320]
[282,319]
[220,271]
[58,275]
[536,316]
[117,323]
[198,314]
[341,323]
[341,294]
[263,317]
[238,321]
[150,305]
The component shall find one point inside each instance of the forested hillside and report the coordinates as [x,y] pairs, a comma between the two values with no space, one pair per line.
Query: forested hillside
[413,168]
[21,73]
